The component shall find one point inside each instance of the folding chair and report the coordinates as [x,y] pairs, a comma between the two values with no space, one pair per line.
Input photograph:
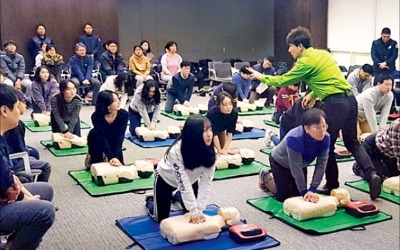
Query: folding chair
[220,72]
[239,65]
[32,173]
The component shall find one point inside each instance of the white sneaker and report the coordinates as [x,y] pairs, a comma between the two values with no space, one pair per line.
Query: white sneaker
[267,138]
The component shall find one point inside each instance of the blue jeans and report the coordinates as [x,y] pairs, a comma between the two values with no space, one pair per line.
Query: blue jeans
[32,152]
[29,220]
[170,102]
[134,119]
[35,164]
[275,139]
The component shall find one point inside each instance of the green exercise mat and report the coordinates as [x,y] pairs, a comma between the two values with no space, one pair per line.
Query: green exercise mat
[362,185]
[340,221]
[268,152]
[378,121]
[264,111]
[243,170]
[65,152]
[84,178]
[272,123]
[340,143]
[30,125]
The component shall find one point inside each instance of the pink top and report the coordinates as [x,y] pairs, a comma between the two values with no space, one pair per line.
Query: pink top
[170,63]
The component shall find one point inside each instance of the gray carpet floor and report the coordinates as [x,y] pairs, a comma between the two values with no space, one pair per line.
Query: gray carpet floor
[85,222]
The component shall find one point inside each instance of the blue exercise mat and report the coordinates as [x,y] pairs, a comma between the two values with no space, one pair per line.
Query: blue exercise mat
[149,144]
[255,133]
[146,233]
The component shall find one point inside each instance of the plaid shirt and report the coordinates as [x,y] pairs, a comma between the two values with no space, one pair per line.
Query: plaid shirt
[388,141]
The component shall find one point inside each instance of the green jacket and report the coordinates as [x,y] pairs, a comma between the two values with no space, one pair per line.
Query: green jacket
[318,69]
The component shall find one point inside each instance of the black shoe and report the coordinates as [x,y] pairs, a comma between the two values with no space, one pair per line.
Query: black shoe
[374,186]
[324,190]
[150,205]
[356,169]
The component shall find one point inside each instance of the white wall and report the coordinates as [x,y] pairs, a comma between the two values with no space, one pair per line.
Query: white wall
[354,24]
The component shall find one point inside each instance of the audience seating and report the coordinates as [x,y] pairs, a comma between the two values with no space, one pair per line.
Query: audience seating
[220,72]
[32,173]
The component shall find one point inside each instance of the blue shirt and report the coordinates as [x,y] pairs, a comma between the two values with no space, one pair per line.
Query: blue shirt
[6,178]
[92,44]
[243,86]
[81,67]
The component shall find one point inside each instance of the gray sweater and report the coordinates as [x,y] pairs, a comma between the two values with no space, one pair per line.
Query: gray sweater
[137,105]
[358,86]
[371,101]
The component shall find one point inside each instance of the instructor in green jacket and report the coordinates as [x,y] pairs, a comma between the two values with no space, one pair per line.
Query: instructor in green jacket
[319,70]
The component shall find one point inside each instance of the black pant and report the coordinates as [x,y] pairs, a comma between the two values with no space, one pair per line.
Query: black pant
[96,147]
[341,114]
[56,129]
[285,183]
[163,196]
[384,166]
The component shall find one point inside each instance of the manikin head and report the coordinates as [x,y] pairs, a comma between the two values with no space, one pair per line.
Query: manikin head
[230,215]
[342,195]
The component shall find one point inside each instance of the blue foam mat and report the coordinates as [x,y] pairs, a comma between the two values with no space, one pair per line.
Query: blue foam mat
[255,133]
[146,233]
[149,144]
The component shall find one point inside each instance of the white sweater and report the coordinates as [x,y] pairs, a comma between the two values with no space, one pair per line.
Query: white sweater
[109,85]
[172,170]
[369,102]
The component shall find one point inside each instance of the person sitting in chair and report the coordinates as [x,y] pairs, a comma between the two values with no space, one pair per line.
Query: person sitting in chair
[16,143]
[81,70]
[26,210]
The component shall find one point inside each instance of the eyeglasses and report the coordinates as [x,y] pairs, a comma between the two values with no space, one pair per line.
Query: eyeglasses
[319,128]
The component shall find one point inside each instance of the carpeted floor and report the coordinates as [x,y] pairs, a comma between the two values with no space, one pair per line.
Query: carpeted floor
[84,222]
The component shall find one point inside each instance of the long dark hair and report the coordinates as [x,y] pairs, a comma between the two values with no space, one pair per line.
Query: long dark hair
[122,81]
[145,92]
[145,41]
[37,78]
[104,100]
[193,149]
[61,103]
